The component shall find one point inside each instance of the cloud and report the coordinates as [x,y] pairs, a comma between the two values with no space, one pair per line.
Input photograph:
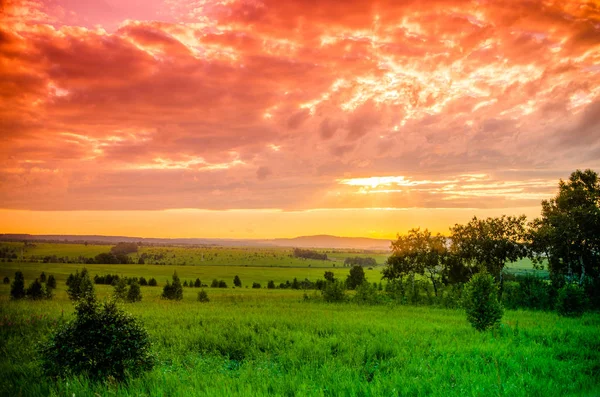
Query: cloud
[176,105]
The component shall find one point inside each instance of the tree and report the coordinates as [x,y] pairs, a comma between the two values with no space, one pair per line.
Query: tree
[51,283]
[271,284]
[571,301]
[36,290]
[490,243]
[43,277]
[334,291]
[237,282]
[418,252]
[17,288]
[203,296]
[174,290]
[568,232]
[102,341]
[79,285]
[255,285]
[329,276]
[356,277]
[6,280]
[480,300]
[152,282]
[120,291]
[143,281]
[197,283]
[134,294]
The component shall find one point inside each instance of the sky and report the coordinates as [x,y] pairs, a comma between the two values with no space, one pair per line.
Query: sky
[260,119]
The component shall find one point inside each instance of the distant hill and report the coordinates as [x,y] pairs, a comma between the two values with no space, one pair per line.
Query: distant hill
[319,241]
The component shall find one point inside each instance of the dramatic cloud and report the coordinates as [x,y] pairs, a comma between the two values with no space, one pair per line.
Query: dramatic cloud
[294,105]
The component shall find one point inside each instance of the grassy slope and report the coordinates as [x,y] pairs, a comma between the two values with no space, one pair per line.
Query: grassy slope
[258,342]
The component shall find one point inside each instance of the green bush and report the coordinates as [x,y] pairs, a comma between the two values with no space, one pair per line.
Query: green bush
[51,283]
[120,291]
[356,277]
[571,301]
[38,291]
[102,341]
[334,292]
[480,300]
[528,292]
[197,283]
[152,282]
[79,285]
[43,277]
[222,284]
[6,280]
[215,283]
[271,284]
[255,285]
[135,293]
[237,282]
[143,281]
[173,291]
[203,296]
[366,294]
[17,288]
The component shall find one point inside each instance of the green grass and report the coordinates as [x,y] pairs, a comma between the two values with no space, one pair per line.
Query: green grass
[199,256]
[260,342]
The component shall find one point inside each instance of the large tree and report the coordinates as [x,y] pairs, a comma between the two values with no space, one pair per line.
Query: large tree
[568,232]
[490,243]
[418,252]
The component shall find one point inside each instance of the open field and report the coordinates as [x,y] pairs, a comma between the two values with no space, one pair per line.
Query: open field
[177,255]
[271,342]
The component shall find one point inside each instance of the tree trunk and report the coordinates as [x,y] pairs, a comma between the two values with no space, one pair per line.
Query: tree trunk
[582,270]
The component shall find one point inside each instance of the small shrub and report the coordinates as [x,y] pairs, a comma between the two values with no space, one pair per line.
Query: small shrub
[43,277]
[222,284]
[17,288]
[36,290]
[185,283]
[197,283]
[79,285]
[120,291]
[571,301]
[271,284]
[356,277]
[255,285]
[173,291]
[6,280]
[480,300]
[102,341]
[237,282]
[334,292]
[152,282]
[143,281]
[366,294]
[215,283]
[51,283]
[134,294]
[203,296]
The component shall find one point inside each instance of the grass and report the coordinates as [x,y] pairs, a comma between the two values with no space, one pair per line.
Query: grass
[271,342]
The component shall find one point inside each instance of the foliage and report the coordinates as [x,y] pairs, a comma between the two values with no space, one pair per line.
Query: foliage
[480,300]
[124,248]
[255,285]
[222,284]
[101,342]
[203,296]
[6,280]
[51,283]
[271,284]
[152,282]
[329,276]
[120,289]
[528,292]
[174,290]
[17,288]
[418,252]
[38,291]
[135,293]
[309,254]
[79,285]
[571,301]
[197,283]
[360,261]
[366,294]
[43,277]
[567,234]
[143,281]
[110,258]
[356,277]
[490,243]
[237,282]
[334,291]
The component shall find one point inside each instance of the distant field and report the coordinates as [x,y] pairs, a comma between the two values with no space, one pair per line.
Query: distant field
[216,256]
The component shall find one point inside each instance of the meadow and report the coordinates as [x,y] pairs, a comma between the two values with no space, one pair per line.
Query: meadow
[281,342]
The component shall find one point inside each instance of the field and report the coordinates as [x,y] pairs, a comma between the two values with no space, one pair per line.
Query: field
[255,342]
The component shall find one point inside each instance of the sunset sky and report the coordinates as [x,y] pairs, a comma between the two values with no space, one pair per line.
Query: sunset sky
[257,119]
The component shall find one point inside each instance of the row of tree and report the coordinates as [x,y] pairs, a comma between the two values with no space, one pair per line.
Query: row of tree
[566,239]
[41,288]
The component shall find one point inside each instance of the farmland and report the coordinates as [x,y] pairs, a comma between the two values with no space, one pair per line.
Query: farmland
[287,342]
